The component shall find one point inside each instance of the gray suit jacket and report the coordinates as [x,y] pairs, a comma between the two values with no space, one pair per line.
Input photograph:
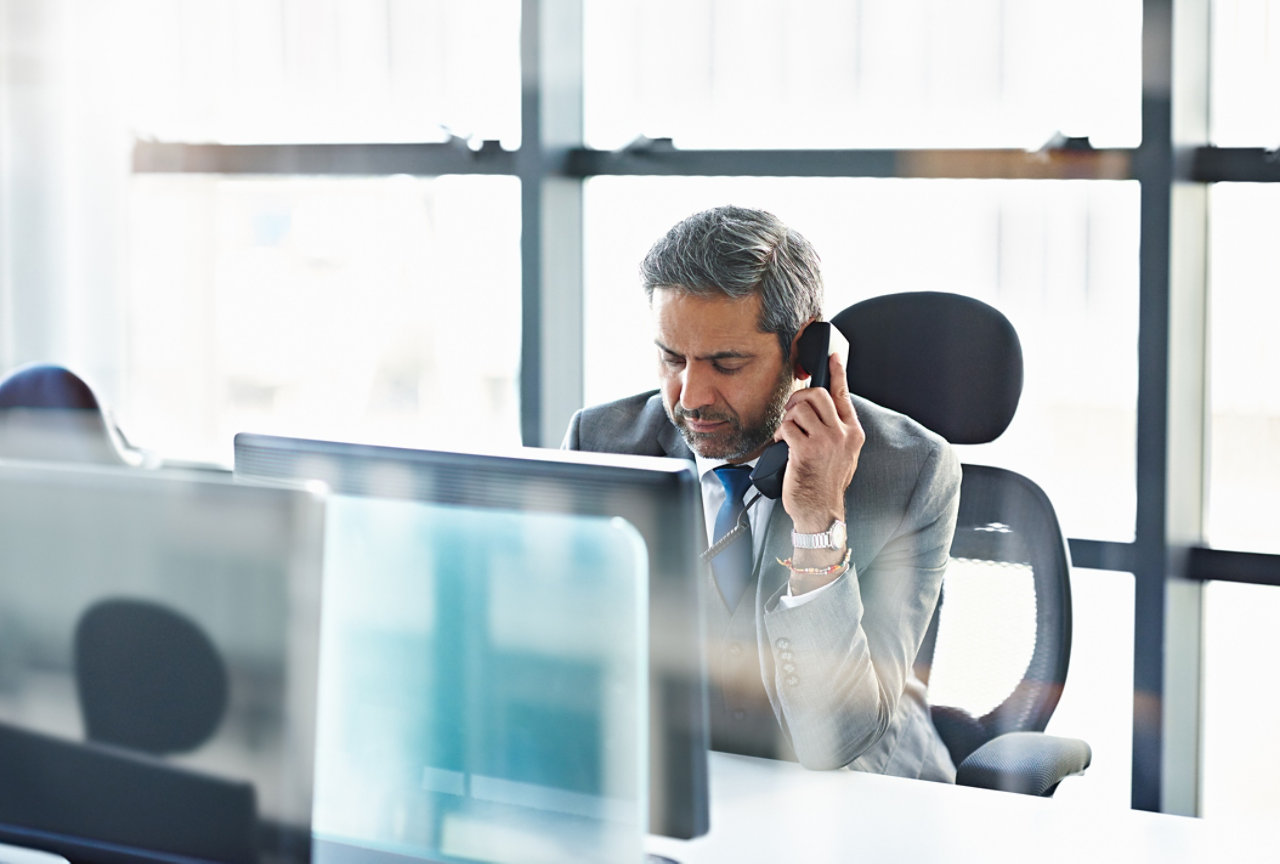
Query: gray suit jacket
[837,669]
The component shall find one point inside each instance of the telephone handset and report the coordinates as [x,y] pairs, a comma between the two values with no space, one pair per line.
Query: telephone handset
[812,352]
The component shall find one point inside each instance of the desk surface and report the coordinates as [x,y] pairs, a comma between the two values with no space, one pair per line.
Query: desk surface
[777,812]
[22,855]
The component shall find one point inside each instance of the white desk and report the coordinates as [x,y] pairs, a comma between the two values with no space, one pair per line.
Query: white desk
[777,812]
[22,855]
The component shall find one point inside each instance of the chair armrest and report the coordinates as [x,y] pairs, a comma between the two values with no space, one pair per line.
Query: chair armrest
[1031,763]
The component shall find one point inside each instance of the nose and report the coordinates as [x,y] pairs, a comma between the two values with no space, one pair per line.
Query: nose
[696,390]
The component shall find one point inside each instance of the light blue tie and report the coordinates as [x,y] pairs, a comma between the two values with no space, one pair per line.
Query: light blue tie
[732,565]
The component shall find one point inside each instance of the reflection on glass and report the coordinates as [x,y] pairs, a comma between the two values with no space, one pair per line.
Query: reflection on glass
[1060,259]
[1240,751]
[319,71]
[1245,72]
[482,700]
[360,309]
[864,73]
[158,660]
[1244,363]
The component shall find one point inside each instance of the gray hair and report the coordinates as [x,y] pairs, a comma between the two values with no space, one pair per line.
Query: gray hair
[736,252]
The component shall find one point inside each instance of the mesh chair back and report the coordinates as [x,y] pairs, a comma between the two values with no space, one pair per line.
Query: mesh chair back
[1007,538]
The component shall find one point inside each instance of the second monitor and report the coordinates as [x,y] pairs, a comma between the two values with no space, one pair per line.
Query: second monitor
[659,497]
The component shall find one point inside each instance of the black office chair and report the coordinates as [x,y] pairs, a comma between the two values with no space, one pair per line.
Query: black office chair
[49,413]
[148,677]
[954,364]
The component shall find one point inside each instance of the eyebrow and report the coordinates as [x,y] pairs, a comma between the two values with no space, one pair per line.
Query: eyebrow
[719,355]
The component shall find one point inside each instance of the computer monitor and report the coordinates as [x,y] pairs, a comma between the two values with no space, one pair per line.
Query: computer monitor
[659,497]
[159,637]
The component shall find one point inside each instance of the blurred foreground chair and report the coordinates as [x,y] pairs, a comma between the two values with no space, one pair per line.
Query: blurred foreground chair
[954,364]
[48,413]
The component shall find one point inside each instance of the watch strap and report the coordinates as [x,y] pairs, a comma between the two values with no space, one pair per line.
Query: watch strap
[822,540]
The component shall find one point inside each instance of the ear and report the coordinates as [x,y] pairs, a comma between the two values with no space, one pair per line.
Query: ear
[796,369]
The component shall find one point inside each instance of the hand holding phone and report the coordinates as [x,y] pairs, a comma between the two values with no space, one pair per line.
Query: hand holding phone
[812,352]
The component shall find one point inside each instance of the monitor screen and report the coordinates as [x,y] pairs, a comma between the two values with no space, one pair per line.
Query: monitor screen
[483,685]
[159,638]
[659,497]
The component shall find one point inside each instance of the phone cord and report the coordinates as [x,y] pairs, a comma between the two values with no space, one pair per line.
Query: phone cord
[741,525]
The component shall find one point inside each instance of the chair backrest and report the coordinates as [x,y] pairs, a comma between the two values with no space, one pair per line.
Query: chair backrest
[48,413]
[954,364]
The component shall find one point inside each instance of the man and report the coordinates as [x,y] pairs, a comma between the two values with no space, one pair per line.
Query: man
[814,657]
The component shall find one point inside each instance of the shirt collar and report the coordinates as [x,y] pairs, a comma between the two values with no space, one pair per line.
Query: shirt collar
[704,465]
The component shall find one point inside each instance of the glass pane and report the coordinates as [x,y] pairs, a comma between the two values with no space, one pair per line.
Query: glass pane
[358,309]
[1097,699]
[320,70]
[1059,258]
[1244,363]
[1241,753]
[865,73]
[1245,73]
[478,701]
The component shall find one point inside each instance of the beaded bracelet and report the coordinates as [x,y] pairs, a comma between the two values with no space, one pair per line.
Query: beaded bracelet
[818,571]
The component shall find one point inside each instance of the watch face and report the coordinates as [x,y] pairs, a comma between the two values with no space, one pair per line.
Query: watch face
[838,536]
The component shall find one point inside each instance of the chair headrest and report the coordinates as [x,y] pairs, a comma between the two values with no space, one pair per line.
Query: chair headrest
[49,413]
[951,363]
[43,385]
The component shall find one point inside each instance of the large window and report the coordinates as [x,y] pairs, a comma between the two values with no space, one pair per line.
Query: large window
[862,73]
[253,71]
[1245,51]
[1241,752]
[1242,422]
[1244,363]
[202,304]
[383,310]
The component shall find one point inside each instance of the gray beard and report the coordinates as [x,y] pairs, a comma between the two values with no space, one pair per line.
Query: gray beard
[741,441]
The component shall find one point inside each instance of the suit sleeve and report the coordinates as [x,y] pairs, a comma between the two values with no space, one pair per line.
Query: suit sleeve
[840,664]
[572,436]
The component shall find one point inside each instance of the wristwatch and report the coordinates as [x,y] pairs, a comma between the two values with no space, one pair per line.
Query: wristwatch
[833,538]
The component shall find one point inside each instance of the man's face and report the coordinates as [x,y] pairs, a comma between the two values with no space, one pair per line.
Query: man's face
[724,383]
